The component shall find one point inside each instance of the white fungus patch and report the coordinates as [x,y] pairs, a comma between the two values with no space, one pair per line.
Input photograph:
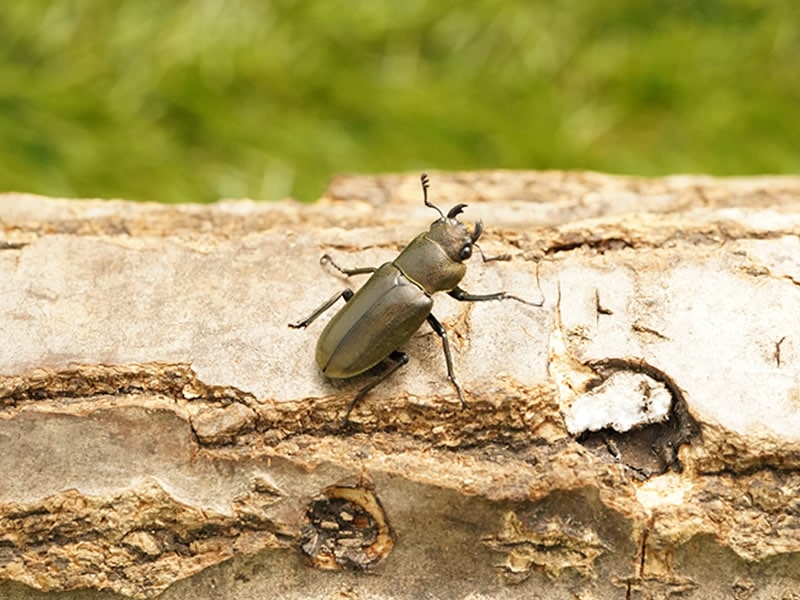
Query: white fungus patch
[623,401]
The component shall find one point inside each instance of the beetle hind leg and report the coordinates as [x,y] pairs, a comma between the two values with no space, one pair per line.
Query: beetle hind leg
[399,358]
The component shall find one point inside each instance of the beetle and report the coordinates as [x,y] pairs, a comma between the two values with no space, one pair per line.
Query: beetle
[392,305]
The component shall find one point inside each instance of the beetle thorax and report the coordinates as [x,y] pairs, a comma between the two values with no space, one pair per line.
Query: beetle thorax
[433,259]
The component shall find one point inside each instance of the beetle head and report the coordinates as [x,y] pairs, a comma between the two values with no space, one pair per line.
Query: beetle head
[450,233]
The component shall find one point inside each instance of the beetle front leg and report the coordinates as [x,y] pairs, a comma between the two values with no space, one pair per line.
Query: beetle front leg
[326,259]
[345,293]
[399,358]
[442,333]
[463,296]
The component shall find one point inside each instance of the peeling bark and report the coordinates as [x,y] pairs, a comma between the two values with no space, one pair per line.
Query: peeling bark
[164,433]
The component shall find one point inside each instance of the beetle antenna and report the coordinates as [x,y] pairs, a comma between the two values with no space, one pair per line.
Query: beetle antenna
[425,184]
[491,258]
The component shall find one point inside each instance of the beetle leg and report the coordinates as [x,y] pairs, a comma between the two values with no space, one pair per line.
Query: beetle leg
[399,358]
[346,294]
[463,296]
[442,333]
[326,259]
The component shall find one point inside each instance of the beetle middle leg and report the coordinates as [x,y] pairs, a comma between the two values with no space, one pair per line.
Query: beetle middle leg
[399,358]
[346,293]
[442,333]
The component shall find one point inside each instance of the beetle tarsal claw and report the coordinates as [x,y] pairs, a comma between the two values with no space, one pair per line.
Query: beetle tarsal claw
[538,304]
[459,391]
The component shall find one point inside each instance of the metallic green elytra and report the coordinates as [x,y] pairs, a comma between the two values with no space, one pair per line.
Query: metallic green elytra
[377,320]
[392,305]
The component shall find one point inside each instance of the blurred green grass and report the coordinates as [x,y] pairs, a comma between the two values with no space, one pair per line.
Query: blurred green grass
[196,100]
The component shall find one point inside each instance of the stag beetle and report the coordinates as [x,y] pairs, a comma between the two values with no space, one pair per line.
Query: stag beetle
[386,311]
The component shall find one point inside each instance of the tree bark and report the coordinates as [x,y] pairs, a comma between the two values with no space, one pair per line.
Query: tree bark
[163,432]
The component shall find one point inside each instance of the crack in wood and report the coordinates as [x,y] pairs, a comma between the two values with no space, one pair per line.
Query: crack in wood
[224,415]
[143,535]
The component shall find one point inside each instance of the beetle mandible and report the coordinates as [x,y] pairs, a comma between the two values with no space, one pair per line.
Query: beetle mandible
[389,308]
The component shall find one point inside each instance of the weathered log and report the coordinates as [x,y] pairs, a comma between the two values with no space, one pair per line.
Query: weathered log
[162,430]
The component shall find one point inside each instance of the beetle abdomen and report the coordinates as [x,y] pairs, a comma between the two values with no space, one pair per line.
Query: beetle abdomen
[379,318]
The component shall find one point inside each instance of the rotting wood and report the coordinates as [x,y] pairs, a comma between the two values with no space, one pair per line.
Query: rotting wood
[162,430]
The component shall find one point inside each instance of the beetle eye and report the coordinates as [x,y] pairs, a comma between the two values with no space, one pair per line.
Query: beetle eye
[466,252]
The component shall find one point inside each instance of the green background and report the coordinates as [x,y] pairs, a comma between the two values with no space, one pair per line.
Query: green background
[195,100]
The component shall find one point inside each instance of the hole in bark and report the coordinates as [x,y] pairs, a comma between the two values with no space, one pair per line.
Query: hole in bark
[346,528]
[648,448]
